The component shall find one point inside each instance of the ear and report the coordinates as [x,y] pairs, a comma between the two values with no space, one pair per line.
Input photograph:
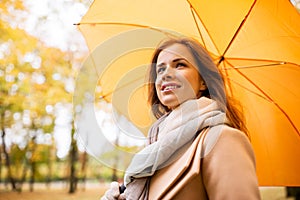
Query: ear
[203,86]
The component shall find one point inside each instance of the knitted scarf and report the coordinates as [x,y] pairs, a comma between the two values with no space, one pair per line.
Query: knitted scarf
[176,131]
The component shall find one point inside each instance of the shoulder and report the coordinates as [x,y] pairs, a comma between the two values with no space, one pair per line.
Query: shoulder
[229,168]
[227,138]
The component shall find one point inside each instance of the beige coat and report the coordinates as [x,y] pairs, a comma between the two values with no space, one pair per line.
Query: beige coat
[227,168]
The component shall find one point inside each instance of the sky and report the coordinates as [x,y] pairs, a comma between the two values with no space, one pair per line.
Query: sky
[296,3]
[53,22]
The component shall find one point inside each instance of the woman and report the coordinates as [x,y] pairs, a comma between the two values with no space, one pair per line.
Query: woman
[187,94]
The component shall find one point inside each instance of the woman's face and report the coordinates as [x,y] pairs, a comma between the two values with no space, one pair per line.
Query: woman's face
[177,79]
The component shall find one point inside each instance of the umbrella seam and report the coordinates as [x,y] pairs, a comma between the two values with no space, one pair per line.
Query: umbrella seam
[193,13]
[267,97]
[118,88]
[274,62]
[126,24]
[197,25]
[238,30]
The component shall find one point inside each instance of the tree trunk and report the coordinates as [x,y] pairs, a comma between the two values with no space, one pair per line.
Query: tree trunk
[32,165]
[24,173]
[114,170]
[0,166]
[49,174]
[32,176]
[73,159]
[83,168]
[24,170]
[7,162]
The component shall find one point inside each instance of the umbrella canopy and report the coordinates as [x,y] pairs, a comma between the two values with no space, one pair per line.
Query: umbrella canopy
[255,43]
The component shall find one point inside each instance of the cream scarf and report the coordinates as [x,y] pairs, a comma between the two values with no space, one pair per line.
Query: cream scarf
[176,132]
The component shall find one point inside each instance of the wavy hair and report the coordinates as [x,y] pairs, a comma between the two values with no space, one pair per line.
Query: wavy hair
[211,75]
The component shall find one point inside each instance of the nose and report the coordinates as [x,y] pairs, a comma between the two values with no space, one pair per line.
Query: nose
[168,74]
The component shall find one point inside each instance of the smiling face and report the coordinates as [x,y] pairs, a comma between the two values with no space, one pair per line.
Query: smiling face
[177,79]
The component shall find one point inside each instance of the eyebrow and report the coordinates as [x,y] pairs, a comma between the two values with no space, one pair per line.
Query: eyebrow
[174,61]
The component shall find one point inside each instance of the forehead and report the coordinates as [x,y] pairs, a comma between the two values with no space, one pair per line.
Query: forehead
[175,51]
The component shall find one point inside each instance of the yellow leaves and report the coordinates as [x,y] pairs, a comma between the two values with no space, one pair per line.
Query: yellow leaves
[18,4]
[37,84]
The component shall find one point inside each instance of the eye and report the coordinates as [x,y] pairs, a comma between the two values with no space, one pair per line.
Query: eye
[180,64]
[160,70]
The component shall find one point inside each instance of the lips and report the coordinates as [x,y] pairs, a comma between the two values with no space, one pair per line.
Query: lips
[169,87]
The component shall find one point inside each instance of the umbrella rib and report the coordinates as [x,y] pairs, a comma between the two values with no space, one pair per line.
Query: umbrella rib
[251,91]
[266,97]
[125,24]
[111,92]
[272,63]
[197,25]
[237,31]
[256,66]
[198,28]
[113,23]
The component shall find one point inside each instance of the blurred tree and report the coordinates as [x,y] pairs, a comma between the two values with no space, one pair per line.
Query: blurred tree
[73,159]
[48,88]
[33,79]
[13,82]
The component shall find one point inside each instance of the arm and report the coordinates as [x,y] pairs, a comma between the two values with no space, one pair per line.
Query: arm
[229,167]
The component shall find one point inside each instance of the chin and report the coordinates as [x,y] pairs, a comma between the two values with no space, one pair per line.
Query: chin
[172,105]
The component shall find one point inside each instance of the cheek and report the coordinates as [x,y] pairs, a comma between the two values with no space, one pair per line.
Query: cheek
[157,90]
[157,83]
[158,80]
[194,83]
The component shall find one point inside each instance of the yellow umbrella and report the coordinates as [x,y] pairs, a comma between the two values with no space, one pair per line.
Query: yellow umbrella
[255,43]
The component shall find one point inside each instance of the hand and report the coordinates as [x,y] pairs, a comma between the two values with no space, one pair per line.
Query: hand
[122,196]
[112,193]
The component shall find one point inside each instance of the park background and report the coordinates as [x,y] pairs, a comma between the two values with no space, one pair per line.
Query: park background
[41,156]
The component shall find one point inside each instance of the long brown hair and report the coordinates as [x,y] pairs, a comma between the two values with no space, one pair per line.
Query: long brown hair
[211,75]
